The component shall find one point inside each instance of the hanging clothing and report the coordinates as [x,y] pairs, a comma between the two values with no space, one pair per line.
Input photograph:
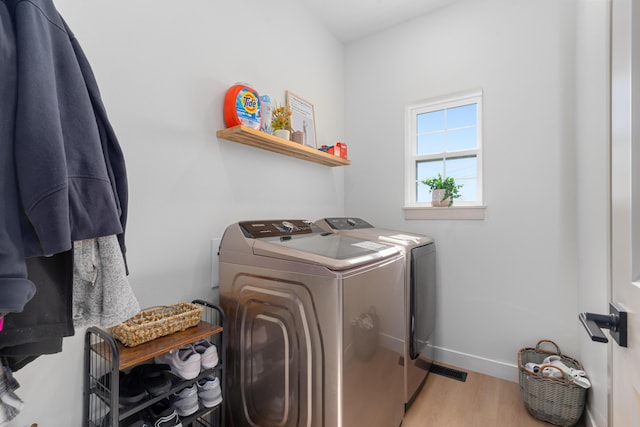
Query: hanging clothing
[70,169]
[62,172]
[114,158]
[49,313]
[15,289]
[19,356]
[62,175]
[10,403]
[102,294]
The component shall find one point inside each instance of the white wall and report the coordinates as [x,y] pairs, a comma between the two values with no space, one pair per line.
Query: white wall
[163,69]
[511,279]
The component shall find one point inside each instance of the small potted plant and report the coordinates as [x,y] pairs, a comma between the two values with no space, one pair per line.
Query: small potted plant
[281,121]
[443,190]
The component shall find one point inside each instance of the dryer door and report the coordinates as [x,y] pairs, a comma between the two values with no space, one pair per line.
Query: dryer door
[277,355]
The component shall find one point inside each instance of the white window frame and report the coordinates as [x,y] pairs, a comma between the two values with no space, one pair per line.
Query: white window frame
[460,209]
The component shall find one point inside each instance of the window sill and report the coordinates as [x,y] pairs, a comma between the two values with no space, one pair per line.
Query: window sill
[453,212]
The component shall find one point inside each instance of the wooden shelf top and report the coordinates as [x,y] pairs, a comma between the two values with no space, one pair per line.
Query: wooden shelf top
[131,356]
[265,141]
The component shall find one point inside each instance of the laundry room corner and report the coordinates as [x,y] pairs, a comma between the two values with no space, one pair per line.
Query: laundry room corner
[509,279]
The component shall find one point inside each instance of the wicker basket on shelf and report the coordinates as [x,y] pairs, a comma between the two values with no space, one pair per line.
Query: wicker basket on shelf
[157,322]
[555,400]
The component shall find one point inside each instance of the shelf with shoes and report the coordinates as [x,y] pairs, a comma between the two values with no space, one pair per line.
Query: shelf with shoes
[157,378]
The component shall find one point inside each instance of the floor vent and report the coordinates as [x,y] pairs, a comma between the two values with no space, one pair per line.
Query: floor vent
[448,372]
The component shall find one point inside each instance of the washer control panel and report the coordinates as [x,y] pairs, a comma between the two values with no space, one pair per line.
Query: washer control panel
[275,228]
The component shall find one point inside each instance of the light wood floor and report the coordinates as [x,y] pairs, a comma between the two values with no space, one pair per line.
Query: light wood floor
[481,401]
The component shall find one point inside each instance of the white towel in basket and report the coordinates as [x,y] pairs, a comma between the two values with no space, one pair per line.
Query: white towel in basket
[576,376]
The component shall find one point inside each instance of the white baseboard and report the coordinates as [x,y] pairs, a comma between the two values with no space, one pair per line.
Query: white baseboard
[493,368]
[588,418]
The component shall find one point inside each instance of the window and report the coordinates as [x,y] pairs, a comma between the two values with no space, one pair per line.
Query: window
[444,136]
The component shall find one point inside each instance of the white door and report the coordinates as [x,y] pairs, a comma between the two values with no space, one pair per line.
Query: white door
[624,405]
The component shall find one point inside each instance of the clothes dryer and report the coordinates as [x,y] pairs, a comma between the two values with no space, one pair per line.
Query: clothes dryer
[419,308]
[309,321]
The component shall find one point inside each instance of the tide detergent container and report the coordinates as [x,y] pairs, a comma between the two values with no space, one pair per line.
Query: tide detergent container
[242,106]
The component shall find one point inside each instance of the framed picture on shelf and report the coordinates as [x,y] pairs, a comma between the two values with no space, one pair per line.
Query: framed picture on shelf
[303,118]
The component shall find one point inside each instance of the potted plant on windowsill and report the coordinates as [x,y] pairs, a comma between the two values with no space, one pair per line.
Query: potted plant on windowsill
[443,190]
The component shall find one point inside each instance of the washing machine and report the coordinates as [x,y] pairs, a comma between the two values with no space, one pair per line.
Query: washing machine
[419,298]
[310,326]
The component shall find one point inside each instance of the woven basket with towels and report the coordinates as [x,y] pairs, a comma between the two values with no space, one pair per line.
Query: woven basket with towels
[550,394]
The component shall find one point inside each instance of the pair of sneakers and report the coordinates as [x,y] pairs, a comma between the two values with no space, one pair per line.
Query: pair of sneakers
[186,361]
[142,381]
[209,391]
[160,414]
[205,391]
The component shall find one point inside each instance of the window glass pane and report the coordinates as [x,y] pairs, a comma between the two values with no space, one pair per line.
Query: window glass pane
[461,116]
[461,139]
[423,193]
[465,172]
[430,143]
[469,191]
[430,122]
[429,169]
[462,167]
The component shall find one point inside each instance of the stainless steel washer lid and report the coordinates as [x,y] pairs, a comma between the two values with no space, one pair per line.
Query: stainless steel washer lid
[303,241]
[357,227]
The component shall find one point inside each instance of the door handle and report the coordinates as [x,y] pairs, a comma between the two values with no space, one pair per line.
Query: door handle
[615,321]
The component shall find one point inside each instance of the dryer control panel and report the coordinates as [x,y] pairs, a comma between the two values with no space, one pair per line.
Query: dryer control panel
[346,223]
[276,228]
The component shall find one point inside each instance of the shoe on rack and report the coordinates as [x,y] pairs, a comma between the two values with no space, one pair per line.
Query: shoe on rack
[162,414]
[185,401]
[209,391]
[184,362]
[132,390]
[155,378]
[208,353]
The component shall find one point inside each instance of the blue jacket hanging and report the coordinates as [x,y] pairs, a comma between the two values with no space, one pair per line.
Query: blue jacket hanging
[15,289]
[69,170]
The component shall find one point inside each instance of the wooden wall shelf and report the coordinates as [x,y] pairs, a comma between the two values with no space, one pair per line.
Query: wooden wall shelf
[255,138]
